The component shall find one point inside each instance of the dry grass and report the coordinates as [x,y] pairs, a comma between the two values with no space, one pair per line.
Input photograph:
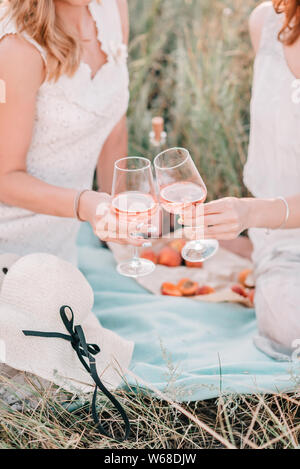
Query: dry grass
[242,422]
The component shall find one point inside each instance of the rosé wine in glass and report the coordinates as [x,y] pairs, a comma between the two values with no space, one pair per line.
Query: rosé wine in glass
[179,195]
[134,204]
[134,201]
[181,188]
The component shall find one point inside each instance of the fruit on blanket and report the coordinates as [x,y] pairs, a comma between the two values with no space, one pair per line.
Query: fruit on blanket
[205,290]
[239,290]
[250,281]
[251,295]
[194,265]
[169,257]
[177,245]
[246,278]
[149,255]
[188,287]
[169,289]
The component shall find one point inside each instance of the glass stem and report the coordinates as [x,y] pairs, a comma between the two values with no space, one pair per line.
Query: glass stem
[199,244]
[136,256]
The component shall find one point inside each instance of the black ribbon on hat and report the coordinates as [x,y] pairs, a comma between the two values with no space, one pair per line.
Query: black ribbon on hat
[85,351]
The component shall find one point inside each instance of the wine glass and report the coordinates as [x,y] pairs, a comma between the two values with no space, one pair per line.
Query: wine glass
[135,203]
[182,188]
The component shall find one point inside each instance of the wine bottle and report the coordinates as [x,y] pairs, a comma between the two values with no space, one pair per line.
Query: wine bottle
[158,142]
[158,135]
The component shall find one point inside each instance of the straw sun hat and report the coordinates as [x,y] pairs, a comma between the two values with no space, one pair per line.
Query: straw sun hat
[48,328]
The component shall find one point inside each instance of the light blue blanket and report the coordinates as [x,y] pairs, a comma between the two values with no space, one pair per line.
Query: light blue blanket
[191,350]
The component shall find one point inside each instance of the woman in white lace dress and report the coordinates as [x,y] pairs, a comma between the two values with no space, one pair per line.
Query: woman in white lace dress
[64,67]
[272,174]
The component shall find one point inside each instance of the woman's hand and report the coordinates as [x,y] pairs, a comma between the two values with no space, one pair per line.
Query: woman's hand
[223,219]
[226,219]
[95,207]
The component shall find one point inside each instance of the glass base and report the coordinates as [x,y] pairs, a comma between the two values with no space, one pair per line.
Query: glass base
[136,268]
[200,251]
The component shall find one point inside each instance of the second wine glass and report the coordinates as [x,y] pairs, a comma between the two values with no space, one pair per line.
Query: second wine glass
[135,203]
[182,188]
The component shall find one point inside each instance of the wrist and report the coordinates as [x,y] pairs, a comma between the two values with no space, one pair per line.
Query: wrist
[266,213]
[255,216]
[88,204]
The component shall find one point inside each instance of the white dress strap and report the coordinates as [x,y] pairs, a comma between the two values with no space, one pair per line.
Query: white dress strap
[108,20]
[269,40]
[37,46]
[7,27]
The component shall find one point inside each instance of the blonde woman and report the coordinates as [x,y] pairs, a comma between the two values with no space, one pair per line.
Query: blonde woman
[272,174]
[64,66]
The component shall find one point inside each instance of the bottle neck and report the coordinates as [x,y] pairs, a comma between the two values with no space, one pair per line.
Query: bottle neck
[158,144]
[158,137]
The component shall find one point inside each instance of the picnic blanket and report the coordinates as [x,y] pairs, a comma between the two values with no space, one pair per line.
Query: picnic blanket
[220,272]
[189,350]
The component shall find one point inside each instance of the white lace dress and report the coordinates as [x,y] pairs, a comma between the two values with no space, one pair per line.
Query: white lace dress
[272,170]
[74,117]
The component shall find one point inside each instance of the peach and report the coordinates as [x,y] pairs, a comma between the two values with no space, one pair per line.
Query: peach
[239,290]
[177,244]
[205,290]
[169,257]
[194,265]
[169,289]
[244,277]
[188,287]
[149,255]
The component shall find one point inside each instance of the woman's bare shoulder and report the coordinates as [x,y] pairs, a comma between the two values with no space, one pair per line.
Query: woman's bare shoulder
[21,64]
[257,21]
[123,8]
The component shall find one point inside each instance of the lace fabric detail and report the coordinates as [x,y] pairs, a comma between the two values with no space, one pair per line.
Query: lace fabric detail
[74,117]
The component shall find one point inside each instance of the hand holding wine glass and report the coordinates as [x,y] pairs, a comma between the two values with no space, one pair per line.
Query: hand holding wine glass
[110,228]
[135,205]
[183,192]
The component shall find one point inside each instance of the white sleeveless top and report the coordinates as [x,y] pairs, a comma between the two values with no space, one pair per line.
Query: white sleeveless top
[273,167]
[74,117]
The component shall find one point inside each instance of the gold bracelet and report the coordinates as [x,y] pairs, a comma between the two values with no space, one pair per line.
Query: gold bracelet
[76,203]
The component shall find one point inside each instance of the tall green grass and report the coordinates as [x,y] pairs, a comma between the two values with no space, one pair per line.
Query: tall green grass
[191,61]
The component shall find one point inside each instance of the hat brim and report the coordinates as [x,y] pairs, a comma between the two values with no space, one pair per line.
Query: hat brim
[54,359]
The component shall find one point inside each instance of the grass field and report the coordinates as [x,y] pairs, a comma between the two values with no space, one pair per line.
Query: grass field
[190,61]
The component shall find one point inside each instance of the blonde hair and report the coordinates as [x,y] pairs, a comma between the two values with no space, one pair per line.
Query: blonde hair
[38,19]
